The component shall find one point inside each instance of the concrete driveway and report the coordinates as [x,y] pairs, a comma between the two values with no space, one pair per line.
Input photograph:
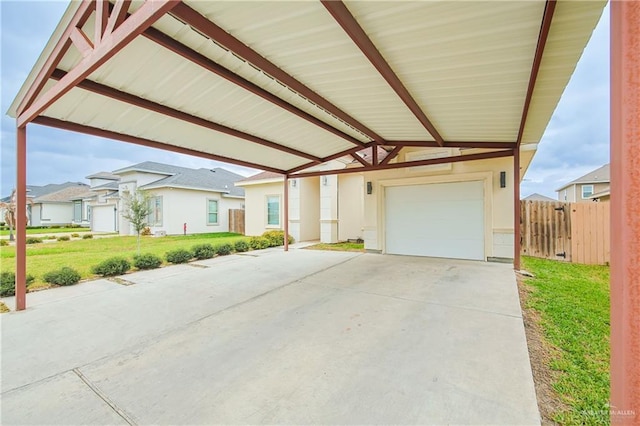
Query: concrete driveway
[280,338]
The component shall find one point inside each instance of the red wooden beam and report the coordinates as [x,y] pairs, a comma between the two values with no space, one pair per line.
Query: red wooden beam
[112,93]
[214,32]
[625,212]
[549,8]
[206,63]
[102,15]
[455,144]
[341,14]
[118,15]
[81,42]
[391,155]
[516,209]
[138,22]
[108,134]
[21,218]
[285,213]
[443,160]
[360,159]
[79,19]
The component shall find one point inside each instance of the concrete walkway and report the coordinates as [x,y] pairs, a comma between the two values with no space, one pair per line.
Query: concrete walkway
[271,337]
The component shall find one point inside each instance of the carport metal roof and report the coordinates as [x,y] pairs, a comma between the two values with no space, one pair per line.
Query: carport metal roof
[283,86]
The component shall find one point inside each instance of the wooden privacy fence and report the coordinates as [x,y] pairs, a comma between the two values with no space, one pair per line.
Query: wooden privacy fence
[573,232]
[236,221]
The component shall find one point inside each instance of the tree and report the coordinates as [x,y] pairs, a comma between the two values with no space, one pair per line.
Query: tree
[137,210]
[10,209]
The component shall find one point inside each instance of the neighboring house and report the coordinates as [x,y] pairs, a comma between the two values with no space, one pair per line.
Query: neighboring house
[537,197]
[455,210]
[198,198]
[60,207]
[582,189]
[602,196]
[103,206]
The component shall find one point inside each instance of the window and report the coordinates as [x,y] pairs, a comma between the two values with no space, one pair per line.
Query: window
[77,211]
[565,195]
[212,212]
[155,211]
[587,191]
[273,210]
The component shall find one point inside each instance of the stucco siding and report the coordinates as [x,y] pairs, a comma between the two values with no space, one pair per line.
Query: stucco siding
[350,206]
[256,207]
[53,214]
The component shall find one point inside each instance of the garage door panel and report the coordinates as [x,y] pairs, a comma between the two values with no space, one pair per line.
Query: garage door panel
[438,220]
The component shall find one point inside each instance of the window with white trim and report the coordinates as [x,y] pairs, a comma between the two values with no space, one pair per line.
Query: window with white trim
[587,191]
[77,211]
[212,212]
[155,211]
[273,210]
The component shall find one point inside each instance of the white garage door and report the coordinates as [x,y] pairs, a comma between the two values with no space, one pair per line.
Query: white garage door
[438,220]
[102,218]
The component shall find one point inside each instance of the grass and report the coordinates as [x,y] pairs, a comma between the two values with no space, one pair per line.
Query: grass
[82,255]
[43,231]
[344,246]
[573,302]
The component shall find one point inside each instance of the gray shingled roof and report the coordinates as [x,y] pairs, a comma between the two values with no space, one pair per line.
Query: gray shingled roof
[34,191]
[108,185]
[152,166]
[601,174]
[103,175]
[217,180]
[65,195]
[262,176]
[538,197]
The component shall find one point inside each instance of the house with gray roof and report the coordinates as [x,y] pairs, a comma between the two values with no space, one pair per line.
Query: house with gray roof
[59,204]
[582,190]
[199,199]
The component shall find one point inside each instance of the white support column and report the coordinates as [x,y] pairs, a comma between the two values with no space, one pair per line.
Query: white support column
[329,209]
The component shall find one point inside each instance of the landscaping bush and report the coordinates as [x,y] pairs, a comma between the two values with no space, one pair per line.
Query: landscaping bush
[4,243]
[33,240]
[63,276]
[111,267]
[64,238]
[87,236]
[145,231]
[50,237]
[179,256]
[241,246]
[55,227]
[203,251]
[276,238]
[74,235]
[8,283]
[224,249]
[258,243]
[147,261]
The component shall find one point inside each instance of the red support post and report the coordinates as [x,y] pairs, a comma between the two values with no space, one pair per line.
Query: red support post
[21,218]
[286,212]
[625,212]
[516,209]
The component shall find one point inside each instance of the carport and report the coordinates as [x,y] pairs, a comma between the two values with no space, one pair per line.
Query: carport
[286,87]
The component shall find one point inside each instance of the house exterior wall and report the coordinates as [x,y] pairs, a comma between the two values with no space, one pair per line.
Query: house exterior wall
[350,206]
[329,209]
[93,182]
[498,201]
[574,192]
[256,206]
[103,218]
[44,214]
[309,209]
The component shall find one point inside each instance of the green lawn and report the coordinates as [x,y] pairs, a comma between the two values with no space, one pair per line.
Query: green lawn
[573,301]
[344,246]
[44,231]
[82,255]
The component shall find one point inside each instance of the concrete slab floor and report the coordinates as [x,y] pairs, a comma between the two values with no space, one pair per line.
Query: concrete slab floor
[272,337]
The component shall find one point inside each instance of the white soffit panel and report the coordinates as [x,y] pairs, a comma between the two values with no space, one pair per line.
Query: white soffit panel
[467,64]
[572,26]
[149,71]
[304,40]
[82,107]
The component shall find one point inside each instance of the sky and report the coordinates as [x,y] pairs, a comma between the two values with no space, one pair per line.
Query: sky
[576,140]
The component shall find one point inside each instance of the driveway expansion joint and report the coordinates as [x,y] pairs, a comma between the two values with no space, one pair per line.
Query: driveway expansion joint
[104,397]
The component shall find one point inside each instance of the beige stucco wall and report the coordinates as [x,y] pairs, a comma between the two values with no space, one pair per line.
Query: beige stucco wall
[498,201]
[309,209]
[256,206]
[51,214]
[350,206]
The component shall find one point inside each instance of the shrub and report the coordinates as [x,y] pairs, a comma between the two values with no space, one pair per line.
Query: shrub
[145,231]
[4,243]
[8,283]
[63,276]
[203,251]
[241,246]
[75,235]
[147,261]
[257,243]
[276,238]
[50,237]
[33,240]
[111,267]
[87,236]
[179,256]
[224,249]
[55,227]
[64,238]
